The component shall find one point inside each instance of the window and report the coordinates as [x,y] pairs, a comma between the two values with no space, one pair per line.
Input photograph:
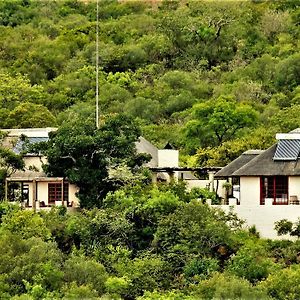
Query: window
[55,192]
[274,187]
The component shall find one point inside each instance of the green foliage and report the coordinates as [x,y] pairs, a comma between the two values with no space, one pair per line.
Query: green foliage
[74,292]
[10,162]
[200,268]
[170,295]
[252,262]
[27,115]
[226,286]
[78,148]
[287,227]
[283,227]
[212,78]
[145,274]
[192,227]
[204,194]
[83,271]
[27,223]
[283,284]
[32,260]
[230,150]
[218,121]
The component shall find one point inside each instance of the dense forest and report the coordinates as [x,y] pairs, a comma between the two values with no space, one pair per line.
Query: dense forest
[145,243]
[213,78]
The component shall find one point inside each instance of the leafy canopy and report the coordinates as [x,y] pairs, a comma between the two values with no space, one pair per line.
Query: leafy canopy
[83,154]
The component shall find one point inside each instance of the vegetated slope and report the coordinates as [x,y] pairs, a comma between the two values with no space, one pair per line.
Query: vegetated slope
[213,78]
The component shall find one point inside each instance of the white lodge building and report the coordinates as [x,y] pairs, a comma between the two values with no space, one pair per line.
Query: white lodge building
[269,184]
[32,187]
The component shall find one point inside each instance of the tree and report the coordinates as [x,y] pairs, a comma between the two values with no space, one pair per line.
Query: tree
[216,121]
[192,230]
[27,115]
[10,162]
[17,89]
[83,154]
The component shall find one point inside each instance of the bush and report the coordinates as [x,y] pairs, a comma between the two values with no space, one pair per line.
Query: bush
[225,286]
[201,268]
[251,262]
[284,284]
[84,271]
[25,223]
[146,273]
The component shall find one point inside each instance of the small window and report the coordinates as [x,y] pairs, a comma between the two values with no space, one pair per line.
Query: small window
[55,192]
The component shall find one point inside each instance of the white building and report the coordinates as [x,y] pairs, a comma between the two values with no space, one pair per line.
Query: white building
[269,184]
[32,187]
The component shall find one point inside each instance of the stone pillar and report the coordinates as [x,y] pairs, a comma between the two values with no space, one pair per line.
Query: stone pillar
[34,195]
[154,177]
[211,178]
[171,176]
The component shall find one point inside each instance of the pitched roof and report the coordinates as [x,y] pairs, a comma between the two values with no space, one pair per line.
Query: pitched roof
[144,146]
[239,162]
[265,165]
[14,142]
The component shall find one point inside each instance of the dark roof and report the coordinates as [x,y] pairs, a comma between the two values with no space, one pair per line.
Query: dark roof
[19,147]
[239,162]
[169,146]
[265,165]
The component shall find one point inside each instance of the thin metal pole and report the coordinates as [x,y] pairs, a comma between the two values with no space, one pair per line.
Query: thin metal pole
[97,67]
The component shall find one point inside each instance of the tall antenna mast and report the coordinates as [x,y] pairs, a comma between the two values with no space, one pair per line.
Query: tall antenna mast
[97,67]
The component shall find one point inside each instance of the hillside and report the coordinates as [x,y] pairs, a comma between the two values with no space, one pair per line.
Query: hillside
[204,75]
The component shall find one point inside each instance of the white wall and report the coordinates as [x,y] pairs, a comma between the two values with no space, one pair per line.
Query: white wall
[73,189]
[34,161]
[30,194]
[294,186]
[264,217]
[42,191]
[168,158]
[250,191]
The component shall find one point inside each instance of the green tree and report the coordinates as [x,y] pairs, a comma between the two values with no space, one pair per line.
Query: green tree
[193,230]
[84,271]
[252,262]
[214,122]
[27,115]
[10,162]
[83,154]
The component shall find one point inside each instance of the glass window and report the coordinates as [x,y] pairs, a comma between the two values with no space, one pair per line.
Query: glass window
[55,192]
[274,187]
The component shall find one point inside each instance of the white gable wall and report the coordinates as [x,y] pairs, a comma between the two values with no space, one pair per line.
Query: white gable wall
[249,191]
[35,161]
[168,158]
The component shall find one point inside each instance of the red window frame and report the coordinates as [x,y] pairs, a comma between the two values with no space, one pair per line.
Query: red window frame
[275,187]
[55,192]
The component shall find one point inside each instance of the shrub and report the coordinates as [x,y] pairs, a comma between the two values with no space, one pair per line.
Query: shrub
[225,286]
[251,262]
[284,284]
[84,271]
